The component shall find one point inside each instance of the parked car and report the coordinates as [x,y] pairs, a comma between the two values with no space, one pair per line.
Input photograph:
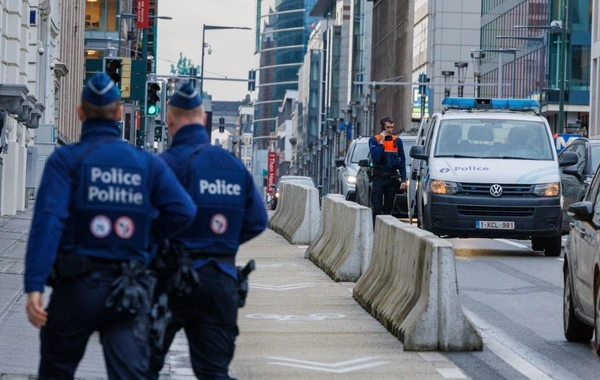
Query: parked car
[347,167]
[581,297]
[364,181]
[575,179]
[275,194]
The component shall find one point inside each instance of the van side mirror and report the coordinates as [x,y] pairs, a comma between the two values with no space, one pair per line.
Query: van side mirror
[418,152]
[364,162]
[339,163]
[567,159]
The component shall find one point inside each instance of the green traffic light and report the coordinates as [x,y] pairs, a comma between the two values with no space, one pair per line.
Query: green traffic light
[152,110]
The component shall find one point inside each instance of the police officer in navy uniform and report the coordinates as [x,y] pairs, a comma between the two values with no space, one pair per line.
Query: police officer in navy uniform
[230,212]
[101,206]
[389,168]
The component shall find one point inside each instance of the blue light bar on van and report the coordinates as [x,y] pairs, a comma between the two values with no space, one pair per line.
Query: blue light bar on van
[495,104]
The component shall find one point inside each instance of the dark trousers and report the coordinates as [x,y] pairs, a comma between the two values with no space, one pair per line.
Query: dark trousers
[75,311]
[382,195]
[209,320]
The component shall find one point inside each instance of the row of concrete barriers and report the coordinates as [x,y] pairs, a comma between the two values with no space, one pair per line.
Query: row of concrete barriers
[405,277]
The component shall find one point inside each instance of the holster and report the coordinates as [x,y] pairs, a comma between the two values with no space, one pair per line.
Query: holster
[160,316]
[243,273]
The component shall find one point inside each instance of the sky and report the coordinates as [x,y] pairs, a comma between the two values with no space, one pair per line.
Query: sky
[232,50]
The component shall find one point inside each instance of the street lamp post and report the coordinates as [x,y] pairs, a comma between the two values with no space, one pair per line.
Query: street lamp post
[555,27]
[121,17]
[477,56]
[204,45]
[448,77]
[500,71]
[462,75]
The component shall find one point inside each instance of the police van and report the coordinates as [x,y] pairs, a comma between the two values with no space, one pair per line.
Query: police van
[488,168]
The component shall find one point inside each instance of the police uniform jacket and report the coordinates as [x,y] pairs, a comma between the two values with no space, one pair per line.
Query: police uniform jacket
[230,208]
[388,157]
[103,198]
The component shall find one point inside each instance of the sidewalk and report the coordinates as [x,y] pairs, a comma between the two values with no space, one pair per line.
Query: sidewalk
[297,324]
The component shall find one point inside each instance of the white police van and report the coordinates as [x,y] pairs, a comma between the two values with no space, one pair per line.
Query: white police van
[488,168]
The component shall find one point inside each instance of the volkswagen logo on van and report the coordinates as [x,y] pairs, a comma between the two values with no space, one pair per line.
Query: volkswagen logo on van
[496,190]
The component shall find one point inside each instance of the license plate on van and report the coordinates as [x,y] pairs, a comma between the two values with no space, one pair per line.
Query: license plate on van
[492,225]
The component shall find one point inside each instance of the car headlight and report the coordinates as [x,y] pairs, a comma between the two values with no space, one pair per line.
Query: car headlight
[438,186]
[277,194]
[547,189]
[350,178]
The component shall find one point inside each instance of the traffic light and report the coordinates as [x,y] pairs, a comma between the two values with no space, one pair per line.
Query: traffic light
[152,98]
[125,84]
[112,68]
[422,87]
[221,124]
[251,80]
[158,133]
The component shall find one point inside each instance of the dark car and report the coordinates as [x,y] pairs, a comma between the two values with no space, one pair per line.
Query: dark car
[581,300]
[275,194]
[364,180]
[575,179]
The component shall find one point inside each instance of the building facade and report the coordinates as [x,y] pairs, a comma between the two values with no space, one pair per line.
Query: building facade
[35,115]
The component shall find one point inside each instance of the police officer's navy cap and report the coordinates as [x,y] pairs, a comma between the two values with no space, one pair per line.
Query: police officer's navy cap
[186,97]
[100,90]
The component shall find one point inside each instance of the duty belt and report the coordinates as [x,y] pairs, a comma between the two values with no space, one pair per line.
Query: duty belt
[384,174]
[223,259]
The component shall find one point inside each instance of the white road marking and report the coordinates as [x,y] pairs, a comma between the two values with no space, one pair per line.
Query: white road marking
[432,357]
[498,343]
[303,247]
[281,287]
[451,373]
[328,367]
[310,317]
[510,242]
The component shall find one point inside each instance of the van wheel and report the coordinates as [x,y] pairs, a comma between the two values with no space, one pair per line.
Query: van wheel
[550,245]
[575,330]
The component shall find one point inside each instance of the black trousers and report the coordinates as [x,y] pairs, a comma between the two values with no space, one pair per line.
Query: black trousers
[382,195]
[209,320]
[75,311]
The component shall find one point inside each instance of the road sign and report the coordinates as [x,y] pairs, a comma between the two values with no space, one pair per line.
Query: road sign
[562,140]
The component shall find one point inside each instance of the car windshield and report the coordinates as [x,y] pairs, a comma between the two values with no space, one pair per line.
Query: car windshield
[595,153]
[361,152]
[486,138]
[302,181]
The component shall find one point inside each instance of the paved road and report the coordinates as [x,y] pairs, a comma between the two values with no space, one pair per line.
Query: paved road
[298,324]
[514,296]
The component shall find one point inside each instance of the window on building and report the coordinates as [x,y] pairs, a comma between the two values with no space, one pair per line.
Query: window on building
[101,15]
[580,74]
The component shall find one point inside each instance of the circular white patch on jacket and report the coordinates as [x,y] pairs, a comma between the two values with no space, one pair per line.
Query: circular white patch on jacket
[100,226]
[218,224]
[124,227]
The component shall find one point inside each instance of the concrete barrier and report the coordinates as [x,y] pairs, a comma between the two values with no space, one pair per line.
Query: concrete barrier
[297,216]
[343,249]
[326,222]
[411,288]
